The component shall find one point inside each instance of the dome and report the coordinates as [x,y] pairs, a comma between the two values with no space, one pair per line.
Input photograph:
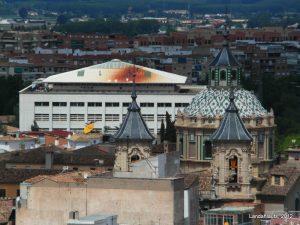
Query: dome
[212,101]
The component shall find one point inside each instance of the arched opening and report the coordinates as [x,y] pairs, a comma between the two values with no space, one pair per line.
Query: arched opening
[134,158]
[207,149]
[233,169]
[223,75]
[233,74]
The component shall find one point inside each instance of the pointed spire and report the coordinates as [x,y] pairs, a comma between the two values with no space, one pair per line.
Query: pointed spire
[232,127]
[133,93]
[133,126]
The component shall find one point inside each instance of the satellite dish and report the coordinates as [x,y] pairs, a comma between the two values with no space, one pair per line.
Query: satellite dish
[88,128]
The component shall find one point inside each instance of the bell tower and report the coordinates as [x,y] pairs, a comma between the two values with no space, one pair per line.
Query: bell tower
[224,70]
[133,139]
[231,156]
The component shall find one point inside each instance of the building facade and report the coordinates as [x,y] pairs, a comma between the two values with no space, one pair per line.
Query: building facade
[100,94]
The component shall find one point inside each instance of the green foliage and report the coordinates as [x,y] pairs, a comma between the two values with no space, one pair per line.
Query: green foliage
[112,26]
[170,134]
[162,131]
[35,126]
[100,8]
[3,129]
[282,94]
[9,96]
[292,140]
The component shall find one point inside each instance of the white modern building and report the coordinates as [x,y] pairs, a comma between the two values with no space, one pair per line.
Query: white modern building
[101,94]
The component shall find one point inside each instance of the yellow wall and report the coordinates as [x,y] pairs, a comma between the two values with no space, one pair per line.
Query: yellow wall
[10,189]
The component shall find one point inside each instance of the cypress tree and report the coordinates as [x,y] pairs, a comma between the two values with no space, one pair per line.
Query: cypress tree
[162,131]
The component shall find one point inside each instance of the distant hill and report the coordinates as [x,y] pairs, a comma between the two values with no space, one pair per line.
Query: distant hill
[121,6]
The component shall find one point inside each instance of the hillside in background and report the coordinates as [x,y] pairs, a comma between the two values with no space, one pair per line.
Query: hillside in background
[103,7]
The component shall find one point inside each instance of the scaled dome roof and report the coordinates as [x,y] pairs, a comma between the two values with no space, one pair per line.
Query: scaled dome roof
[209,102]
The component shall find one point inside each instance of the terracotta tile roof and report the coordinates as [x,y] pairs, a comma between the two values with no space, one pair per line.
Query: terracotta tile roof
[16,176]
[205,177]
[6,210]
[84,156]
[190,179]
[291,176]
[69,177]
[85,137]
[59,133]
[11,129]
[10,138]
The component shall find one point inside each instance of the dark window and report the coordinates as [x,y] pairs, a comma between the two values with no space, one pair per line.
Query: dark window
[297,204]
[94,104]
[41,104]
[164,104]
[18,192]
[233,74]
[77,104]
[207,150]
[56,104]
[147,104]
[2,193]
[112,104]
[223,75]
[135,158]
[181,104]
[213,75]
[126,104]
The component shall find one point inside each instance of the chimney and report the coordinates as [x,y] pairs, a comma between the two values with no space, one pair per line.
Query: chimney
[49,156]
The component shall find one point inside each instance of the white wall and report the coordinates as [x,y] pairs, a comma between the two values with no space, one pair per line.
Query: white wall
[28,109]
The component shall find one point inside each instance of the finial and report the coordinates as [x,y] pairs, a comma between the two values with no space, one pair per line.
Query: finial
[231,94]
[133,93]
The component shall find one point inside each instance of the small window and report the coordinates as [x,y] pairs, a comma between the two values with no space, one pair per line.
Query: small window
[77,104]
[126,104]
[59,104]
[80,73]
[94,104]
[2,193]
[112,104]
[277,180]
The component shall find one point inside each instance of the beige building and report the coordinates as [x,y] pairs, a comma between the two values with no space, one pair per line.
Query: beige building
[50,199]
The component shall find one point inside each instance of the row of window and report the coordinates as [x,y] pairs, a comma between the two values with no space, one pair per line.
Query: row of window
[108,104]
[93,117]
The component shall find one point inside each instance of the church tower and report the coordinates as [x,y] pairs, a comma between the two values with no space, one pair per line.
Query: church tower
[224,70]
[231,156]
[133,139]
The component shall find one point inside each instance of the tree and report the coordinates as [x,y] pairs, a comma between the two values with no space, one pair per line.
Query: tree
[162,131]
[35,126]
[170,134]
[23,12]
